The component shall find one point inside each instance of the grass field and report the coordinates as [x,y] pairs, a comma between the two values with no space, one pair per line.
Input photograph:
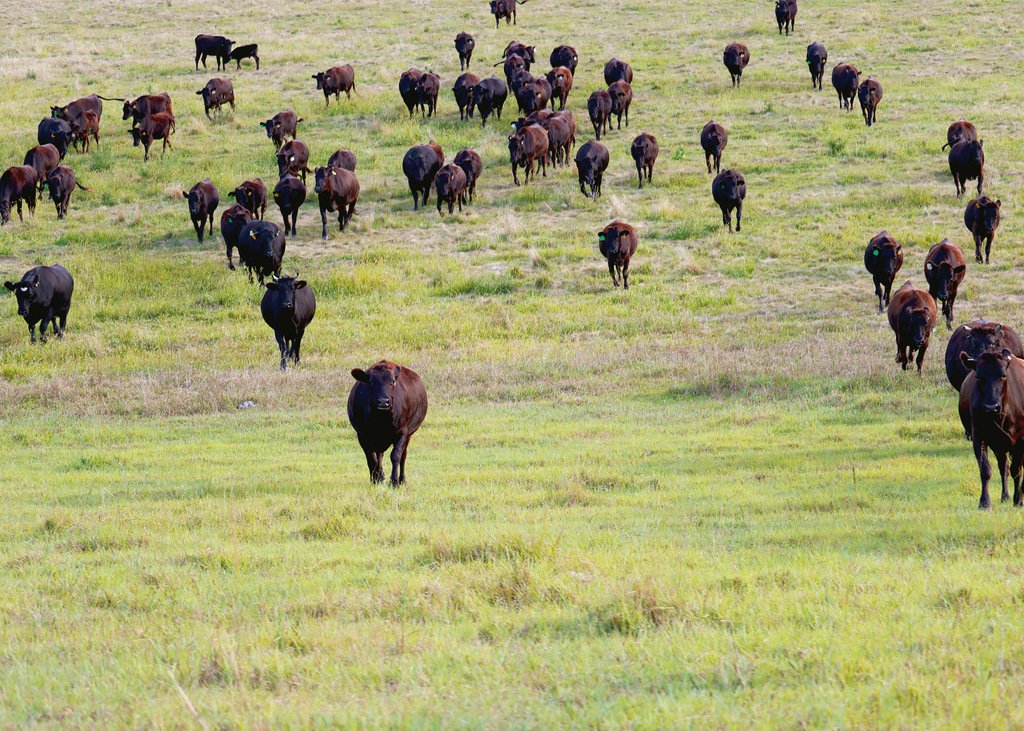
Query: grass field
[712,502]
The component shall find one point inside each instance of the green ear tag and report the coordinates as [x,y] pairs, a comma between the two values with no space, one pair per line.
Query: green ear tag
[876,252]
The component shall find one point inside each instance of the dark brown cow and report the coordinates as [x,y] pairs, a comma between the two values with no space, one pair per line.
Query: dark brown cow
[472,165]
[944,268]
[736,58]
[527,53]
[883,258]
[250,50]
[463,91]
[713,138]
[154,127]
[869,93]
[337,190]
[44,159]
[288,306]
[17,184]
[982,219]
[616,70]
[336,80]
[408,88]
[975,338]
[526,147]
[967,162]
[617,243]
[489,95]
[44,294]
[504,9]
[289,195]
[61,183]
[146,106]
[846,81]
[293,158]
[560,79]
[261,247]
[644,151]
[564,56]
[817,57]
[420,165]
[203,200]
[217,46]
[232,221]
[520,78]
[591,163]
[55,132]
[450,184]
[729,189]
[912,317]
[561,137]
[534,96]
[215,93]
[960,130]
[464,44]
[386,406]
[785,15]
[85,124]
[511,66]
[622,96]
[344,159]
[251,195]
[281,125]
[599,106]
[428,87]
[72,110]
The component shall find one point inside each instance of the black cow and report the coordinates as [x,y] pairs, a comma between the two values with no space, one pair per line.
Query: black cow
[975,338]
[472,165]
[217,46]
[729,189]
[591,162]
[464,44]
[450,183]
[61,182]
[599,107]
[281,125]
[512,66]
[644,151]
[147,105]
[408,88]
[622,96]
[56,132]
[489,95]
[288,307]
[203,200]
[846,81]
[883,258]
[785,15]
[250,50]
[617,243]
[535,95]
[869,93]
[43,159]
[967,162]
[17,184]
[736,58]
[44,296]
[293,158]
[336,80]
[289,195]
[944,268]
[504,9]
[337,190]
[982,219]
[261,248]
[616,70]
[232,221]
[158,126]
[344,159]
[817,57]
[251,195]
[960,130]
[386,406]
[428,88]
[215,93]
[564,56]
[463,91]
[420,165]
[713,138]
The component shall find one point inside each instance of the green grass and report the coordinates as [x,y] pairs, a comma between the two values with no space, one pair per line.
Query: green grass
[711,502]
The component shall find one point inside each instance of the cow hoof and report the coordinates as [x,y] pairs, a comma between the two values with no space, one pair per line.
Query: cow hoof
[982,506]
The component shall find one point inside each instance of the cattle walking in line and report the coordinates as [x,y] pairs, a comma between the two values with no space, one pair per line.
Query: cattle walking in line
[288,307]
[251,195]
[386,406]
[599,107]
[420,165]
[617,243]
[564,56]
[281,125]
[621,94]
[591,163]
[785,15]
[472,165]
[408,88]
[464,45]
[334,81]
[337,190]
[17,185]
[44,296]
[883,258]
[644,151]
[61,183]
[713,139]
[343,159]
[960,131]
[527,147]
[912,316]
[428,87]
[817,57]
[293,159]
[869,93]
[616,70]
[846,82]
[504,9]
[250,50]
[203,200]
[463,91]
[261,247]
[289,195]
[489,95]
[43,159]
[944,268]
[729,189]
[982,219]
[158,126]
[967,162]
[85,124]
[736,57]
[450,183]
[560,79]
[975,338]
[145,106]
[232,221]
[56,132]
[217,46]
[216,93]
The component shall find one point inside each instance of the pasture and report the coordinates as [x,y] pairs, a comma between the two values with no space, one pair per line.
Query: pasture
[711,502]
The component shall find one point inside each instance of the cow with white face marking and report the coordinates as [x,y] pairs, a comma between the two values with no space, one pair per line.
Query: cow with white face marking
[44,296]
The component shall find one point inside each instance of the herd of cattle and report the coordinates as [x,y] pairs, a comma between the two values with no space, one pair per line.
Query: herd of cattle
[388,402]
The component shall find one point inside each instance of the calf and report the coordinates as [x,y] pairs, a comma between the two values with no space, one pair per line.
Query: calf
[337,190]
[261,248]
[525,147]
[154,127]
[616,70]
[622,96]
[420,165]
[232,221]
[944,268]
[785,15]
[17,184]
[217,46]
[504,9]
[288,307]
[599,107]
[251,195]
[817,56]
[912,318]
[591,162]
[883,258]
[982,219]
[55,132]
[975,338]
[967,162]
[472,165]
[489,95]
[386,406]
[561,137]
[203,200]
[450,183]
[527,53]
[846,81]
[960,130]
[215,93]
[463,91]
[617,243]
[293,158]
[428,88]
[560,79]
[44,296]
[250,50]
[85,124]
[564,56]
[408,88]
[43,159]
[713,138]
[464,44]
[289,195]
[336,80]
[644,151]
[869,93]
[736,58]
[145,106]
[61,183]
[281,125]
[343,159]
[729,189]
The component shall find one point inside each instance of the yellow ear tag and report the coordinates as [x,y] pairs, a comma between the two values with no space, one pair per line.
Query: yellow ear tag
[252,234]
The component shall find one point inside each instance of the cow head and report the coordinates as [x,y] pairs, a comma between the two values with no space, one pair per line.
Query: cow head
[284,160]
[733,57]
[129,110]
[516,147]
[323,175]
[245,196]
[286,288]
[59,113]
[5,213]
[918,326]
[975,153]
[209,96]
[53,185]
[381,379]
[868,92]
[610,240]
[886,257]
[496,6]
[990,371]
[137,136]
[731,185]
[984,337]
[943,277]
[988,215]
[25,290]
[195,202]
[273,128]
[319,80]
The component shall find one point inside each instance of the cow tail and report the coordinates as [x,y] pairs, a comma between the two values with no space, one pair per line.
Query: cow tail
[83,187]
[111,99]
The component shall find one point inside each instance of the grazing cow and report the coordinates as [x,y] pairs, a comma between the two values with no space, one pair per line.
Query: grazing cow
[736,58]
[464,44]
[428,88]
[960,130]
[17,184]
[527,53]
[217,46]
[617,243]
[420,165]
[146,106]
[564,56]
[251,195]
[85,124]
[528,145]
[336,80]
[504,9]
[450,183]
[61,183]
[261,248]
[215,93]
[912,317]
[463,91]
[982,219]
[154,127]
[967,162]
[43,159]
[288,307]
[203,200]
[975,338]
[785,15]
[337,190]
[561,137]
[883,258]
[846,81]
[622,96]
[599,106]
[44,296]
[489,95]
[944,268]
[644,151]
[869,93]
[616,70]
[992,412]
[560,79]
[289,195]
[70,111]
[55,132]
[817,57]
[534,96]
[343,159]
[591,162]
[472,165]
[386,406]
[250,50]
[408,88]
[713,138]
[232,221]
[281,125]
[729,189]
[293,157]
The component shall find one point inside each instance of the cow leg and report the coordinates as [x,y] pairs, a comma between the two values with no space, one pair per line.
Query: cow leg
[901,354]
[640,175]
[415,201]
[947,310]
[296,344]
[295,215]
[544,166]
[739,214]
[977,249]
[920,358]
[42,327]
[63,324]
[981,179]
[625,274]
[231,264]
[398,460]
[627,115]
[611,270]
[211,223]
[988,248]
[283,347]
[1001,463]
[372,459]
[351,212]
[32,331]
[1015,470]
[879,295]
[515,177]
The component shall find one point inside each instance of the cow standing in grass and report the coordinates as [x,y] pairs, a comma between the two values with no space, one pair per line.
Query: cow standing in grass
[44,296]
[288,307]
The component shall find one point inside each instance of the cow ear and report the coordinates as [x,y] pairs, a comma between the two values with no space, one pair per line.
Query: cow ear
[9,285]
[1007,354]
[960,269]
[272,286]
[899,248]
[967,360]
[929,266]
[981,143]
[300,284]
[360,375]
[398,372]
[184,194]
[999,204]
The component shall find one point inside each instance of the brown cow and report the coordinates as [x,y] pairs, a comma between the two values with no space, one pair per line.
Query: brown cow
[154,127]
[617,243]
[525,52]
[622,96]
[560,79]
[869,93]
[505,9]
[289,195]
[644,151]
[736,58]
[944,268]
[281,125]
[17,184]
[337,190]
[616,70]
[344,159]
[464,44]
[450,184]
[967,162]
[846,80]
[463,91]
[85,124]
[293,157]
[336,80]
[61,183]
[525,147]
[817,56]
[883,258]
[408,88]
[251,195]
[599,106]
[975,338]
[912,316]
[250,50]
[561,129]
[960,130]
[564,56]
[232,221]
[713,138]
[472,165]
[145,106]
[591,163]
[982,219]
[428,87]
[217,46]
[203,200]
[215,93]
[72,110]
[44,159]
